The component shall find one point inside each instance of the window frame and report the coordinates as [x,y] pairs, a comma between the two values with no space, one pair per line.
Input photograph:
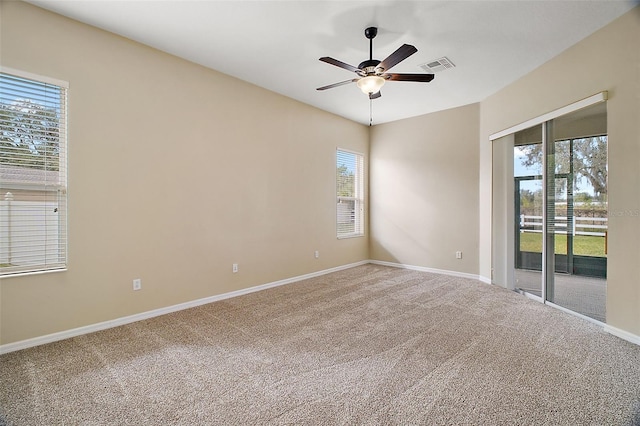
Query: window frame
[358,198]
[57,259]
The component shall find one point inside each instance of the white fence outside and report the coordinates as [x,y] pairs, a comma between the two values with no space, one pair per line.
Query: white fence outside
[25,238]
[594,226]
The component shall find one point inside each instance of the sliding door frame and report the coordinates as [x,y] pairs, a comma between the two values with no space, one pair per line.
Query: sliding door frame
[584,103]
[548,182]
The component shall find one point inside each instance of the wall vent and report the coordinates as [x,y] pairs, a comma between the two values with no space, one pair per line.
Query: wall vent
[437,65]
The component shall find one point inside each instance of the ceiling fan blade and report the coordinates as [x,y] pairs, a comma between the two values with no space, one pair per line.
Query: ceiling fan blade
[402,53]
[421,78]
[375,95]
[331,86]
[338,63]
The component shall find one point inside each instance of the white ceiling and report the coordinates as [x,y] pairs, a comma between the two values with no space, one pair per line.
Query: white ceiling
[276,44]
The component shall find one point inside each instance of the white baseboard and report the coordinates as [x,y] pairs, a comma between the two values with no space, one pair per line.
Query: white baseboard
[425,269]
[629,337]
[485,280]
[54,337]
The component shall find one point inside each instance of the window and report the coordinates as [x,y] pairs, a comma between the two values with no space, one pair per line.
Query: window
[350,194]
[33,176]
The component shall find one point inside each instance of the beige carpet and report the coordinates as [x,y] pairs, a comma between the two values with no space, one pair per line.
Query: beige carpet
[370,345]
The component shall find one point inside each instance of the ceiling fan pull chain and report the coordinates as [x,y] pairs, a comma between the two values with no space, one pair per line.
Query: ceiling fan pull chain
[370,112]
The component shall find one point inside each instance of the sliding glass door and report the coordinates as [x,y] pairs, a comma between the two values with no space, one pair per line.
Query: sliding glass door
[577,211]
[558,226]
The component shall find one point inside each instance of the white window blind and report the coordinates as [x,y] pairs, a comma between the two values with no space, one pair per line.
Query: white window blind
[33,175]
[350,194]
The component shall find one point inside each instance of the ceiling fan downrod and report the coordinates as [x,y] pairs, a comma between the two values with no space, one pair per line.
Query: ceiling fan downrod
[371,33]
[369,67]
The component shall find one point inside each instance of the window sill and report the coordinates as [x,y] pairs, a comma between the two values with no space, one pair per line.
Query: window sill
[27,273]
[343,237]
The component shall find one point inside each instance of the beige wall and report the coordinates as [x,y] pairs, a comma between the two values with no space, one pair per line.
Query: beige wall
[424,190]
[607,60]
[175,173]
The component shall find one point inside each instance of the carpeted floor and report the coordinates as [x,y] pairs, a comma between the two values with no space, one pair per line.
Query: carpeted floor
[371,345]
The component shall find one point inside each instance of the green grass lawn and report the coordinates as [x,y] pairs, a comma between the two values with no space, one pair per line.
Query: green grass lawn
[583,245]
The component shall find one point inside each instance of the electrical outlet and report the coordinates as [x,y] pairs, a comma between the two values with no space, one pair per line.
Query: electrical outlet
[316,254]
[235,268]
[458,255]
[137,284]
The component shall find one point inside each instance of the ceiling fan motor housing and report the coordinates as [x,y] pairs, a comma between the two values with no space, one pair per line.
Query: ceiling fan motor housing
[370,67]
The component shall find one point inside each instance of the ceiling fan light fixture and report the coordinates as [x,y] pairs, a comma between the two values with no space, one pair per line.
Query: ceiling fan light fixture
[370,84]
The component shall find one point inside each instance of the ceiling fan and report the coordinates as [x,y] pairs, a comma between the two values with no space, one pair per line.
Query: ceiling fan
[372,73]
